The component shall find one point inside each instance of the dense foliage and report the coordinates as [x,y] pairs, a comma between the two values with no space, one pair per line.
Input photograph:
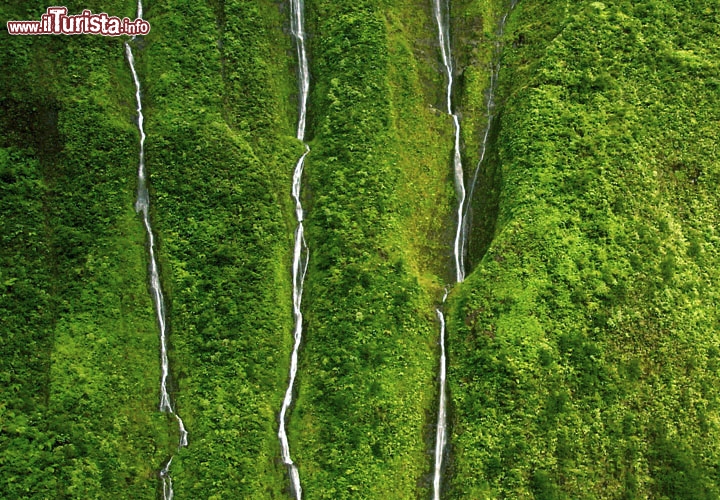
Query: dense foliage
[366,383]
[221,156]
[584,346]
[79,362]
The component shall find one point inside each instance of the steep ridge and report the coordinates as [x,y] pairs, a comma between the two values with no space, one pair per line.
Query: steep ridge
[584,361]
[79,355]
[142,207]
[220,137]
[362,417]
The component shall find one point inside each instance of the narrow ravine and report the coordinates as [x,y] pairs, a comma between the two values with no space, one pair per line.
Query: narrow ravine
[300,251]
[490,111]
[441,11]
[442,17]
[142,206]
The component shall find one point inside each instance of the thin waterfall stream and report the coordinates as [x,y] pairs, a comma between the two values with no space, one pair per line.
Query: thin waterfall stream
[441,433]
[300,251]
[441,10]
[142,206]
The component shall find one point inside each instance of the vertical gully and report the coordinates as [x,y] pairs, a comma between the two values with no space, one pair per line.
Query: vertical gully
[142,205]
[442,14]
[300,251]
[490,111]
[441,11]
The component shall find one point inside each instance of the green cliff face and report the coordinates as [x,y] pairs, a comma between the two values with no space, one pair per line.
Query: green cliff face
[79,352]
[219,166]
[583,345]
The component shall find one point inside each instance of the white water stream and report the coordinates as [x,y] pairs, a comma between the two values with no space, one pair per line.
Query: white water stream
[441,11]
[441,433]
[442,15]
[300,251]
[142,205]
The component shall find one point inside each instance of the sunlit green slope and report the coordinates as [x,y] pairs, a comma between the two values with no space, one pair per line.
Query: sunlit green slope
[79,352]
[378,208]
[220,151]
[584,346]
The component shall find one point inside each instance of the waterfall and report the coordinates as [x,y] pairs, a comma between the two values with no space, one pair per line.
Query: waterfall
[297,27]
[442,16]
[441,11]
[440,435]
[142,206]
[300,251]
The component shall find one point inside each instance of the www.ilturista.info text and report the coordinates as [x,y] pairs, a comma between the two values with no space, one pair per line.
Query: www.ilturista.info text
[56,22]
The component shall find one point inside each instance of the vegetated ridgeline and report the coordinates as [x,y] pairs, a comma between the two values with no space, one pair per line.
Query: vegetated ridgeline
[220,171]
[584,353]
[300,251]
[142,205]
[360,410]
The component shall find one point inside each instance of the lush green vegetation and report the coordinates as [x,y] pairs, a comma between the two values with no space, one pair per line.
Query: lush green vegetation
[79,362]
[221,154]
[584,346]
[366,385]
[478,47]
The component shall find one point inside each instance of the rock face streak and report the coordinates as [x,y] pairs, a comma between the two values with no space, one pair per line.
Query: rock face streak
[300,251]
[142,206]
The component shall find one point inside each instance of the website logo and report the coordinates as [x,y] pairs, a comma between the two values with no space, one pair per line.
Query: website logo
[56,21]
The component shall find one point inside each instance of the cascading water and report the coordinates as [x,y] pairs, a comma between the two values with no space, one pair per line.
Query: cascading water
[490,109]
[442,15]
[142,205]
[440,435]
[300,252]
[441,11]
